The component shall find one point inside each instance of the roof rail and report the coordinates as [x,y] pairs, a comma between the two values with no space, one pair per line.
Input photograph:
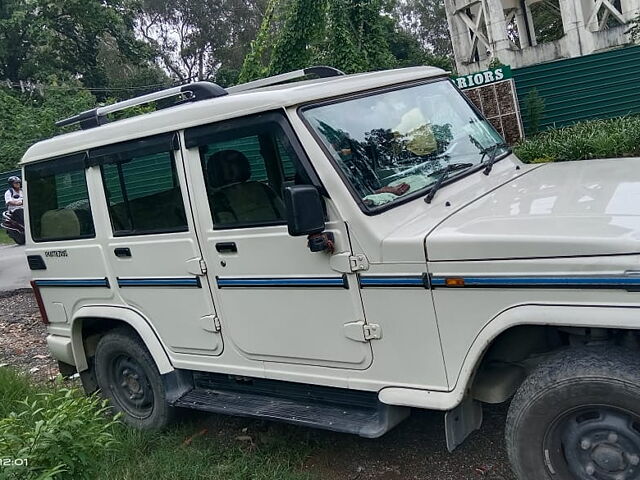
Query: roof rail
[321,71]
[98,116]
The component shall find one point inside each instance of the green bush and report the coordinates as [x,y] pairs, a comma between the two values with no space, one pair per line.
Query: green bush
[534,110]
[14,387]
[607,138]
[59,433]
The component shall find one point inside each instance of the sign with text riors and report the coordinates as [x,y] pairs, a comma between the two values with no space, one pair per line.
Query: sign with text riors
[485,77]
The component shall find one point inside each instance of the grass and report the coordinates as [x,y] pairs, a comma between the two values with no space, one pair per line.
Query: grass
[4,238]
[604,138]
[185,451]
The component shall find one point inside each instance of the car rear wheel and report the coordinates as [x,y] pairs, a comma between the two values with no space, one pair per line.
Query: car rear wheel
[577,417]
[129,378]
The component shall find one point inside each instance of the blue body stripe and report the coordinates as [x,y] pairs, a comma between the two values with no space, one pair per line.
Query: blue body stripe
[87,282]
[391,281]
[569,281]
[283,282]
[159,282]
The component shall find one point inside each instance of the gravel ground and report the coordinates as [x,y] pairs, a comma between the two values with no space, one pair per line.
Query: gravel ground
[415,450]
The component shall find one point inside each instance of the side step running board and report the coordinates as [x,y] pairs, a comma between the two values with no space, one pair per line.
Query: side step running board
[319,407]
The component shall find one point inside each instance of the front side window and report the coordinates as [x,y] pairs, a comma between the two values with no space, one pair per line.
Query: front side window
[143,194]
[393,144]
[58,200]
[246,169]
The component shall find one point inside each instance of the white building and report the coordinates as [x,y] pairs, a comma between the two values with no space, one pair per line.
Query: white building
[526,32]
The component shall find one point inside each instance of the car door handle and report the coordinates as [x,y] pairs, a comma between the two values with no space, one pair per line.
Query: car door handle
[226,247]
[122,252]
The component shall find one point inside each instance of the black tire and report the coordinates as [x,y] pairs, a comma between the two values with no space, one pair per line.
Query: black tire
[129,378]
[577,416]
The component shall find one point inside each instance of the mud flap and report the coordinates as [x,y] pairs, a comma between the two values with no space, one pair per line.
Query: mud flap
[462,421]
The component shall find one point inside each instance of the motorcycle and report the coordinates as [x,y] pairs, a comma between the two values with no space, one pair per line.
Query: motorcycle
[13,223]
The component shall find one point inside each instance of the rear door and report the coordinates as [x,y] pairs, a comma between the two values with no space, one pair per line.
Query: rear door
[152,250]
[278,301]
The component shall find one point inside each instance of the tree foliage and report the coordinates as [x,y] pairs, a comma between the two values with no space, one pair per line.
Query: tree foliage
[426,20]
[40,38]
[352,35]
[200,39]
[27,118]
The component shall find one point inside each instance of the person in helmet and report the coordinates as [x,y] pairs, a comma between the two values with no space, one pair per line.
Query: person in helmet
[13,196]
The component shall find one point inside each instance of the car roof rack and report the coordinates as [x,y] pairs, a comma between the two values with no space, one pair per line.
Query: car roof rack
[321,71]
[193,92]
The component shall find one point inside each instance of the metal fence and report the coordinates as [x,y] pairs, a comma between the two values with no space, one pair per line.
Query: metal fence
[600,85]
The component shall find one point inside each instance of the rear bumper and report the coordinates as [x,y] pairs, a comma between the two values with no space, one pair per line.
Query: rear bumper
[60,348]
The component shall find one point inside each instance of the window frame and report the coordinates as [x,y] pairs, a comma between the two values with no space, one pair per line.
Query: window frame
[74,162]
[202,135]
[375,210]
[119,153]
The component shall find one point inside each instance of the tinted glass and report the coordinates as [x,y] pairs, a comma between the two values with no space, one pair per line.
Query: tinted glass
[245,172]
[144,196]
[58,202]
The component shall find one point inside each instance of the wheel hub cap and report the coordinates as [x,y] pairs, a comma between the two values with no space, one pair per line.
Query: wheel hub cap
[131,387]
[600,443]
[609,458]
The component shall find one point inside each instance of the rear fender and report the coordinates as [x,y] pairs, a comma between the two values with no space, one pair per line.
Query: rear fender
[126,316]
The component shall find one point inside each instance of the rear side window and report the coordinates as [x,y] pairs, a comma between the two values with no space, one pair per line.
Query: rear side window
[142,189]
[58,200]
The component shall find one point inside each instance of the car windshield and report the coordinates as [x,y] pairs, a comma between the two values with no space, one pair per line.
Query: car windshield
[393,144]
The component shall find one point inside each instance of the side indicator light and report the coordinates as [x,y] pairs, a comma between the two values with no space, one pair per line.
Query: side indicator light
[38,295]
[454,282]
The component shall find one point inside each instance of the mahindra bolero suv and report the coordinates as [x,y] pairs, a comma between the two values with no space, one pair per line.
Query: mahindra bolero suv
[336,251]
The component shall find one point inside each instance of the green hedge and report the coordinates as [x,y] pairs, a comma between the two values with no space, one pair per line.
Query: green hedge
[615,137]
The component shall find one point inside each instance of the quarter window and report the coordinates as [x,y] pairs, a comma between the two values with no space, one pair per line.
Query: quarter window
[58,200]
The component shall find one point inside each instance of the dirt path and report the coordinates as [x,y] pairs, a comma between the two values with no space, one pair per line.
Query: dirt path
[415,450]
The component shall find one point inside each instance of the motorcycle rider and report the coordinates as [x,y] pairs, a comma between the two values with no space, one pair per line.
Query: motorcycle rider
[13,196]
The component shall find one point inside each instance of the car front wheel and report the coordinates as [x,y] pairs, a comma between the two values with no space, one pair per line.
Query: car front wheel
[577,417]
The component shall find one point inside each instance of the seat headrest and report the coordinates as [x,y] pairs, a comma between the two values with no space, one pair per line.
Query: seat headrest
[227,167]
[61,223]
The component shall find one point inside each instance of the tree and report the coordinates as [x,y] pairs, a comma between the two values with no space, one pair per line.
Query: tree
[28,118]
[352,35]
[40,38]
[427,20]
[200,39]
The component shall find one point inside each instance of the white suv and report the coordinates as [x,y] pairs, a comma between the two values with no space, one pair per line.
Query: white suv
[333,252]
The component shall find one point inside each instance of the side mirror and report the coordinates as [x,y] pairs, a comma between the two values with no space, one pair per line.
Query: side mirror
[305,212]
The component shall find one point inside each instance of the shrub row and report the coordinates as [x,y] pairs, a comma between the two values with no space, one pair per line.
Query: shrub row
[606,138]
[64,435]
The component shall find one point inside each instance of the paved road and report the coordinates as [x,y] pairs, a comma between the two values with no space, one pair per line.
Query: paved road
[14,271]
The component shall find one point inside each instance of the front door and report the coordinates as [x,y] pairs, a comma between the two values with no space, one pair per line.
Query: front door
[152,249]
[277,301]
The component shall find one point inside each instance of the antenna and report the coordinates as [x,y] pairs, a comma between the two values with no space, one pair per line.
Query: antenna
[196,92]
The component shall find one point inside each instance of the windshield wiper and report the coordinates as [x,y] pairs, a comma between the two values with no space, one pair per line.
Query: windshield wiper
[492,151]
[444,173]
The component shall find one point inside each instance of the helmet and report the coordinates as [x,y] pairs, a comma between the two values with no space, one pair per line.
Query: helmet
[13,180]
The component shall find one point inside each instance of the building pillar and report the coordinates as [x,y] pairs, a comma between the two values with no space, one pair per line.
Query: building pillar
[630,9]
[460,38]
[578,39]
[497,27]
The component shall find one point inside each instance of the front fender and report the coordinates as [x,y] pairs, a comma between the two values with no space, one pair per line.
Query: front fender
[624,317]
[125,315]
